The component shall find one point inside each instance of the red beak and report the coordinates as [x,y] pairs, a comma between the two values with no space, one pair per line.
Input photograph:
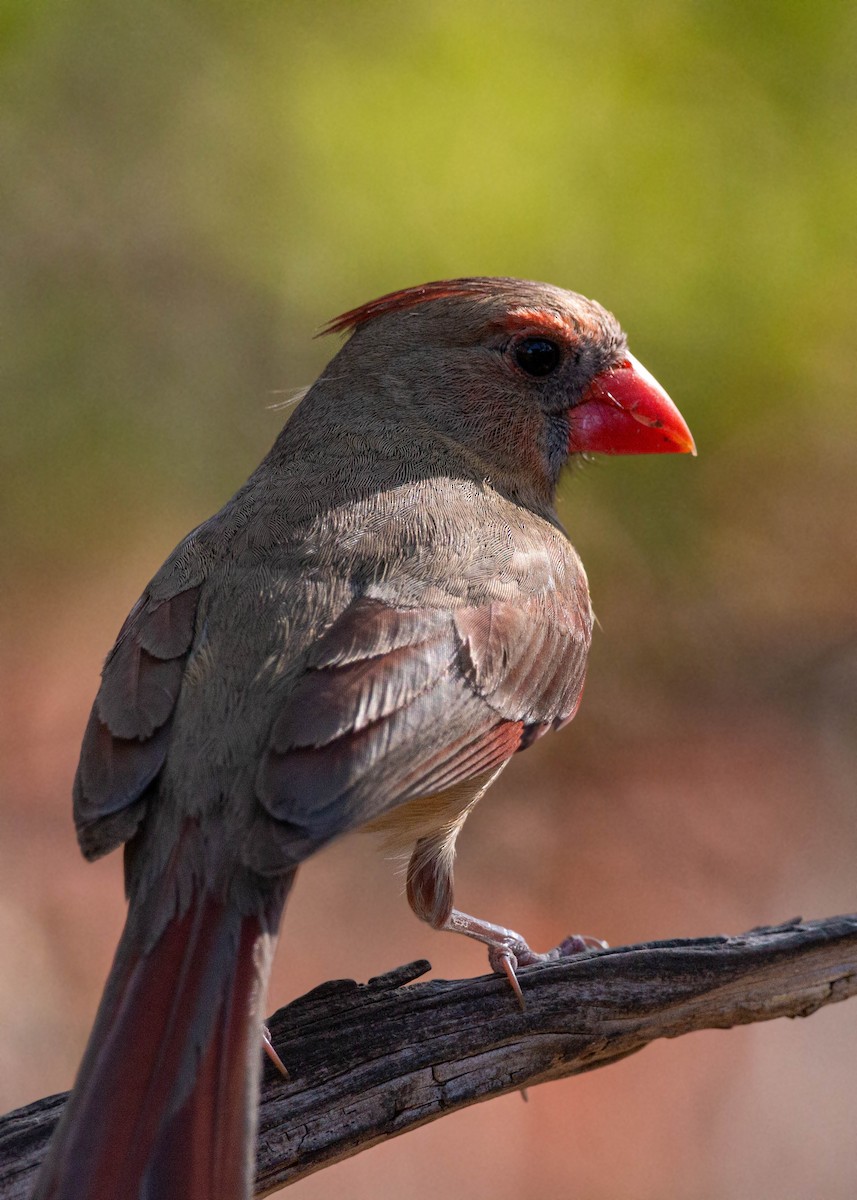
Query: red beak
[626,411]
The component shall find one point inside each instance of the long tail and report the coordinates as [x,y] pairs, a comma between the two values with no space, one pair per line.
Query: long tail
[164,1106]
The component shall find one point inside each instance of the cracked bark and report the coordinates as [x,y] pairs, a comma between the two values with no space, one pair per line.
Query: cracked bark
[371,1061]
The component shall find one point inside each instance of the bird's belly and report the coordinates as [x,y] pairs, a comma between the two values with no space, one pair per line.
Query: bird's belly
[427,816]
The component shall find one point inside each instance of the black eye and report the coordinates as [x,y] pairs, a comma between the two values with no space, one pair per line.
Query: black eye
[537,356]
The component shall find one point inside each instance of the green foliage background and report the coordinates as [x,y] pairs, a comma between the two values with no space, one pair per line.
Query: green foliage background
[191,189]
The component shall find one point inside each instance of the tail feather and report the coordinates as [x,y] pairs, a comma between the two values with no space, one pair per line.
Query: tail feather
[164,1107]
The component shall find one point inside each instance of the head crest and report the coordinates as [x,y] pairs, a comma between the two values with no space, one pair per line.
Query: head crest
[401,301]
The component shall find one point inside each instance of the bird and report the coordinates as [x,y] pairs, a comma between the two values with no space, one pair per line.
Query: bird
[361,638]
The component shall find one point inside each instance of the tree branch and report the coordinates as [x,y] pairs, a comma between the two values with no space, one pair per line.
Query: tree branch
[370,1061]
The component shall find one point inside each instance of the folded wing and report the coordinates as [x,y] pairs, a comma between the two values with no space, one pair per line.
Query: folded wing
[397,703]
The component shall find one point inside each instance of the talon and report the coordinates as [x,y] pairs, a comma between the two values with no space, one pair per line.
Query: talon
[504,961]
[268,1047]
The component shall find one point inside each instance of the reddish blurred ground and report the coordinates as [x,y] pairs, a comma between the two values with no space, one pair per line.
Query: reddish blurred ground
[696,823]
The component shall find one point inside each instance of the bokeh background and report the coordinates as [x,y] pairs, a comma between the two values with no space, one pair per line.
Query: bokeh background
[188,191]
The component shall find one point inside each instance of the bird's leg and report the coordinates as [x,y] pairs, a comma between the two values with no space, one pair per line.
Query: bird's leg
[507,950]
[430,896]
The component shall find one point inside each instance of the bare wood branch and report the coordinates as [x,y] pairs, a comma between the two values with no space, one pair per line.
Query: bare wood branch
[371,1061]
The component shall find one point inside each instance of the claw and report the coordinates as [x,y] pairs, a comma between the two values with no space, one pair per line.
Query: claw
[507,964]
[268,1047]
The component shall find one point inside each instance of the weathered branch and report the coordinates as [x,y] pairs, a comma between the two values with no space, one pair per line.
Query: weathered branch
[370,1061]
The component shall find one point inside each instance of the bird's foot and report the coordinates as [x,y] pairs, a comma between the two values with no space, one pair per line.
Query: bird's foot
[513,952]
[507,950]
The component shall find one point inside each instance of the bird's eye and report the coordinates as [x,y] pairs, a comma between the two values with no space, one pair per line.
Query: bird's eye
[537,356]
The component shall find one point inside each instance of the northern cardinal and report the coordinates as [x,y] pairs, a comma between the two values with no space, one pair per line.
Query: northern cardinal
[382,615]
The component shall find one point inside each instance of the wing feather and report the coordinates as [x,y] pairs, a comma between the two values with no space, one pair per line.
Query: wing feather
[126,739]
[400,703]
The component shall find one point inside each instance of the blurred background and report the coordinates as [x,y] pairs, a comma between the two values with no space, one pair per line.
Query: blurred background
[189,190]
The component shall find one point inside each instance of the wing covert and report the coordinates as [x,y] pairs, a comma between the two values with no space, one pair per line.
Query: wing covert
[125,742]
[397,703]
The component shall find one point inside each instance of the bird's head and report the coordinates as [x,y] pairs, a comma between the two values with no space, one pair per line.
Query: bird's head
[522,375]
